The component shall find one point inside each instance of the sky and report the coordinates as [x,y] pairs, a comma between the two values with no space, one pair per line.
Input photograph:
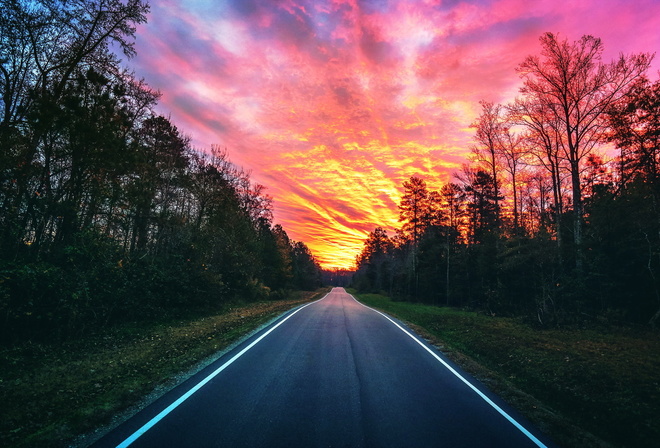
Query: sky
[333,104]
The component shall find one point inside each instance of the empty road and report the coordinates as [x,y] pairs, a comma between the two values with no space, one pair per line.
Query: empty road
[332,373]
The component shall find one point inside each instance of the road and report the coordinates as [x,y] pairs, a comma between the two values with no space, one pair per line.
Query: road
[333,373]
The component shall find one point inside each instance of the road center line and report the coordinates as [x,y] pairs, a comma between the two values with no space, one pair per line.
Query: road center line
[522,429]
[133,437]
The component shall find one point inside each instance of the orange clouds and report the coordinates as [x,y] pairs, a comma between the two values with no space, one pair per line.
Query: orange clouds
[333,104]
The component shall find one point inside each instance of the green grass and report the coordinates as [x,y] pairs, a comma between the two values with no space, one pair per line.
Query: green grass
[573,383]
[53,393]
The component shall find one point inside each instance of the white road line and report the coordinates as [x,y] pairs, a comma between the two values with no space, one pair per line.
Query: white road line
[133,437]
[522,429]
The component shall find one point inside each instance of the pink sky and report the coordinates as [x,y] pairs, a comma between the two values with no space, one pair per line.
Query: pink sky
[333,104]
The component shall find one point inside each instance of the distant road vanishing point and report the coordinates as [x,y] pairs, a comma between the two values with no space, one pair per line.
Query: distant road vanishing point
[332,373]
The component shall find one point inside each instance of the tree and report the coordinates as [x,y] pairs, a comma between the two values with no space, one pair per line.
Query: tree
[414,213]
[108,213]
[576,89]
[44,42]
[512,152]
[306,270]
[47,47]
[373,262]
[161,156]
[413,208]
[480,190]
[635,128]
[500,149]
[284,257]
[543,144]
[489,130]
[634,124]
[453,203]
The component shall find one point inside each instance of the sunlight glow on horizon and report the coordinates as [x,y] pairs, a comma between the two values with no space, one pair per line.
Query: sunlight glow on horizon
[333,104]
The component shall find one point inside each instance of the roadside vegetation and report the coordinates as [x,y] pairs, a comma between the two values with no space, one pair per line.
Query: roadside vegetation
[585,387]
[108,214]
[53,393]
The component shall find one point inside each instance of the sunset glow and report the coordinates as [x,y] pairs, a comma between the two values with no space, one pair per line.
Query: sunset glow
[333,104]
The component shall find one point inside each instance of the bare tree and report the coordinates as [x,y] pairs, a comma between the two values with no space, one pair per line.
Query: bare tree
[488,137]
[512,150]
[543,144]
[576,89]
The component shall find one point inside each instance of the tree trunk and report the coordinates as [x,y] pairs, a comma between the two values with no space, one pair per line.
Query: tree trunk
[578,212]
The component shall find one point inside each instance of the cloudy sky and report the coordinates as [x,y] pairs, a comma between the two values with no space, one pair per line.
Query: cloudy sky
[333,104]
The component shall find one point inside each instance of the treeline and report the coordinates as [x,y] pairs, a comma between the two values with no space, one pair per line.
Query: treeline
[108,213]
[557,215]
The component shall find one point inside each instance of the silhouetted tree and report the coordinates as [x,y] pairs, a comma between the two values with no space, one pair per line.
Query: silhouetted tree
[576,89]
[108,213]
[373,263]
[306,270]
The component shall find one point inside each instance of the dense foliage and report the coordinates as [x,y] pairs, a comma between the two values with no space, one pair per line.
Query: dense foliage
[108,213]
[556,216]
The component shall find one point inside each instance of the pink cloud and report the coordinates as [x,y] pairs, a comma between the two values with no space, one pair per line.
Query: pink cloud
[332,105]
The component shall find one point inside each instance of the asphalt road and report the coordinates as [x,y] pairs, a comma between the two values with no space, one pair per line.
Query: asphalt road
[333,373]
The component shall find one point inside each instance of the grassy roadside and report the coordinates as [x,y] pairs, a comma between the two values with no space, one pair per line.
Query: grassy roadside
[53,393]
[585,388]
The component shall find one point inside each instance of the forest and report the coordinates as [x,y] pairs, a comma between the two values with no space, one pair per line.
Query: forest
[108,212]
[556,216]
